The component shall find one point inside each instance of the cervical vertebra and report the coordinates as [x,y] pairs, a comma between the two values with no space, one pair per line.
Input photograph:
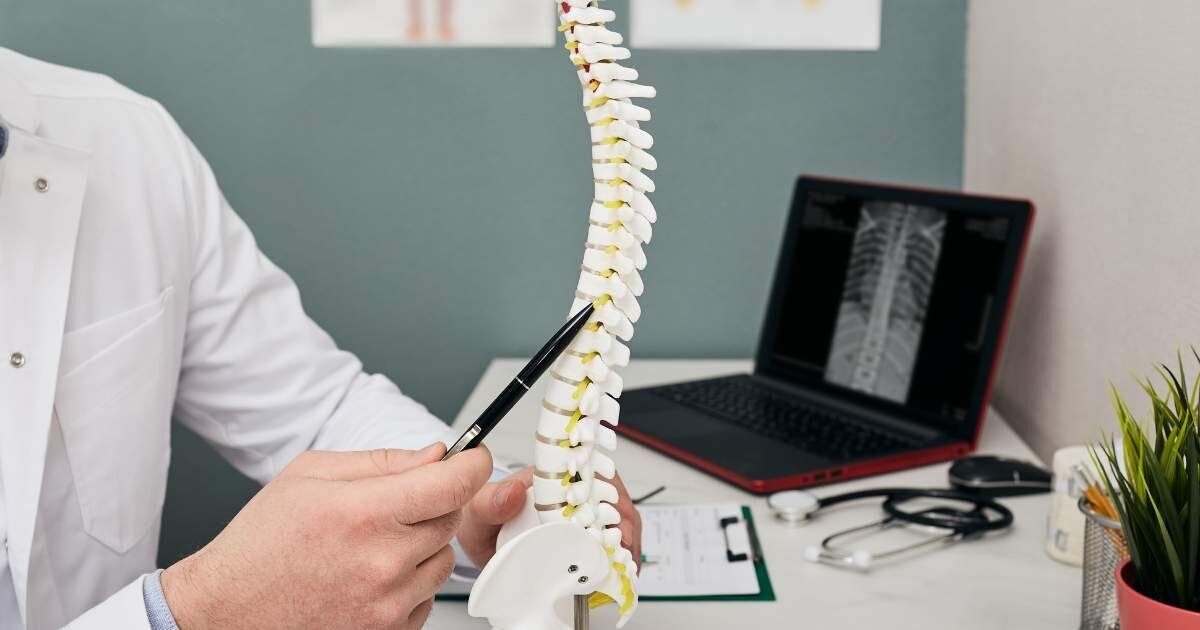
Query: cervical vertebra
[576,549]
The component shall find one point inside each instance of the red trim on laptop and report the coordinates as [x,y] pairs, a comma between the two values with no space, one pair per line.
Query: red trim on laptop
[1000,340]
[852,470]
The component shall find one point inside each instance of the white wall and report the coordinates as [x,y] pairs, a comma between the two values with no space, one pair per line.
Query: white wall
[1092,109]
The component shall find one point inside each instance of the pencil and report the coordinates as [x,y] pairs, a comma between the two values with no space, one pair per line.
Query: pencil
[1103,506]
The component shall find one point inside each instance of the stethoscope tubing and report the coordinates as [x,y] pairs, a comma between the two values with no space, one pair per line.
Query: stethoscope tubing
[894,497]
[958,524]
[827,545]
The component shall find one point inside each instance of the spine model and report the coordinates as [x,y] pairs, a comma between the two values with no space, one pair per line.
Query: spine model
[565,547]
[575,439]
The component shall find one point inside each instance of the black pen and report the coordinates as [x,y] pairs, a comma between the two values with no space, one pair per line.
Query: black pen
[521,384]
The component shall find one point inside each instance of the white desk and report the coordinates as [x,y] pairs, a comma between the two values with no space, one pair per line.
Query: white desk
[1002,582]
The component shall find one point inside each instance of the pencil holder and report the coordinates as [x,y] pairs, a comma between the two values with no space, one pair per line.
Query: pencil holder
[1103,551]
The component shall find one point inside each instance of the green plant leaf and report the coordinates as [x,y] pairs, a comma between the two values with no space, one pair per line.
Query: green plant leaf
[1195,400]
[1193,518]
[1156,491]
[1172,555]
[1117,486]
[1177,390]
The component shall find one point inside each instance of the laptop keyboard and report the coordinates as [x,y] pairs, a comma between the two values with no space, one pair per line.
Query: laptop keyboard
[742,401]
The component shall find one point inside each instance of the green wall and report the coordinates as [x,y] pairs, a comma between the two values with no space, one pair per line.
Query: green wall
[431,204]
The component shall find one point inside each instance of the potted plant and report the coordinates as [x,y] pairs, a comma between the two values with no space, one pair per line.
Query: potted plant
[1153,477]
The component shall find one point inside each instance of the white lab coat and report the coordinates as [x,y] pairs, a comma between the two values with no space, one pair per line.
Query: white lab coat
[132,292]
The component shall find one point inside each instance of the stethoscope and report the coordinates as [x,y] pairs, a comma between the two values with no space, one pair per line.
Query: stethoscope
[983,515]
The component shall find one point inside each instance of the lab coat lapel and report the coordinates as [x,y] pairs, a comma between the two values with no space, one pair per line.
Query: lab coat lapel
[41,196]
[17,104]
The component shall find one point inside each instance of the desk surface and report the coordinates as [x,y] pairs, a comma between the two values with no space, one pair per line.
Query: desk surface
[1006,581]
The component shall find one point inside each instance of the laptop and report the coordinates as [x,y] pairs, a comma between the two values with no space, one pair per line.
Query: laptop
[880,343]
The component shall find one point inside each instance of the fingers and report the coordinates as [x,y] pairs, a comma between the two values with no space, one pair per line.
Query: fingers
[430,575]
[425,539]
[631,538]
[351,466]
[631,521]
[496,504]
[420,614]
[500,502]
[427,491]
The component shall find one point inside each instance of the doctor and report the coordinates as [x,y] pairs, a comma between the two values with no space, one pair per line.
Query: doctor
[130,292]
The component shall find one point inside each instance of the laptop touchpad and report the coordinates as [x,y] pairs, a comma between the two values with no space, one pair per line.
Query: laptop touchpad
[738,450]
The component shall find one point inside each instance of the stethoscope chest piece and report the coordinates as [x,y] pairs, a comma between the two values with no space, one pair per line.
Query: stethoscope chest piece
[793,507]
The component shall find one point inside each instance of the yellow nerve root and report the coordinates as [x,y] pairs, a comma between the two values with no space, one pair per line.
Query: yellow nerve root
[598,599]
[571,424]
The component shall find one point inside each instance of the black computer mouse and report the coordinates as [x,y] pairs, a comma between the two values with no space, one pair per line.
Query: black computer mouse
[999,476]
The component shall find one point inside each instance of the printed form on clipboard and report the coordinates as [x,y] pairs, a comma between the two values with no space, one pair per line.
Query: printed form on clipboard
[700,551]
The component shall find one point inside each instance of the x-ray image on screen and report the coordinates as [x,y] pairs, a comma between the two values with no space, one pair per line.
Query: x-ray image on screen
[886,293]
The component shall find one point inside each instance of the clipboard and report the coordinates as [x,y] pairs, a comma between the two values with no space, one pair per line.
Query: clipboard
[732,555]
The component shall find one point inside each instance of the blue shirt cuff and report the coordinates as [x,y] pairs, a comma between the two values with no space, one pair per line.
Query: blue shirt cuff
[157,610]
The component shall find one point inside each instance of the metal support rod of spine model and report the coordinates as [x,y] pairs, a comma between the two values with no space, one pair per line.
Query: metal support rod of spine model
[563,556]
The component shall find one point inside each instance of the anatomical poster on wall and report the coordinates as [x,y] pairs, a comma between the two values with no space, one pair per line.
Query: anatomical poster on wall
[431,23]
[756,24]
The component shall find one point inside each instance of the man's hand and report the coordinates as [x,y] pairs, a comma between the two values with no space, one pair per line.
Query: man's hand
[337,540]
[500,502]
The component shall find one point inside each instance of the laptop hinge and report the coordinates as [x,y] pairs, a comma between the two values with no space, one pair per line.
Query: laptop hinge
[873,417]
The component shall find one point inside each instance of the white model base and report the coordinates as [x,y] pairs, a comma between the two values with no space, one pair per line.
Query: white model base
[531,582]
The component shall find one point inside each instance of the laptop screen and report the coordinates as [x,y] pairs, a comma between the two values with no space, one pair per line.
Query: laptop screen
[892,297]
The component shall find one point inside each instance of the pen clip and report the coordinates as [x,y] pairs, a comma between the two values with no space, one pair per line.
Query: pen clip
[462,442]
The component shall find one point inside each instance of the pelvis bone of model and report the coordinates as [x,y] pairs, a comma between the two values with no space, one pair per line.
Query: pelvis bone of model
[567,542]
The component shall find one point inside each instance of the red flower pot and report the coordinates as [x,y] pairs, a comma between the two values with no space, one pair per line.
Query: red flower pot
[1139,612]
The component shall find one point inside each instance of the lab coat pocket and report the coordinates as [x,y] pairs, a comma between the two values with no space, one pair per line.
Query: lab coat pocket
[114,408]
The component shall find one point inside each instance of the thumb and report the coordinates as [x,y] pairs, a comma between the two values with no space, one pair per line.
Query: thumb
[494,505]
[354,465]
[500,502]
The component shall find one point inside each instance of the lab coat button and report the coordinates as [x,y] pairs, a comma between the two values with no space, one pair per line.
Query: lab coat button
[41,184]
[16,359]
